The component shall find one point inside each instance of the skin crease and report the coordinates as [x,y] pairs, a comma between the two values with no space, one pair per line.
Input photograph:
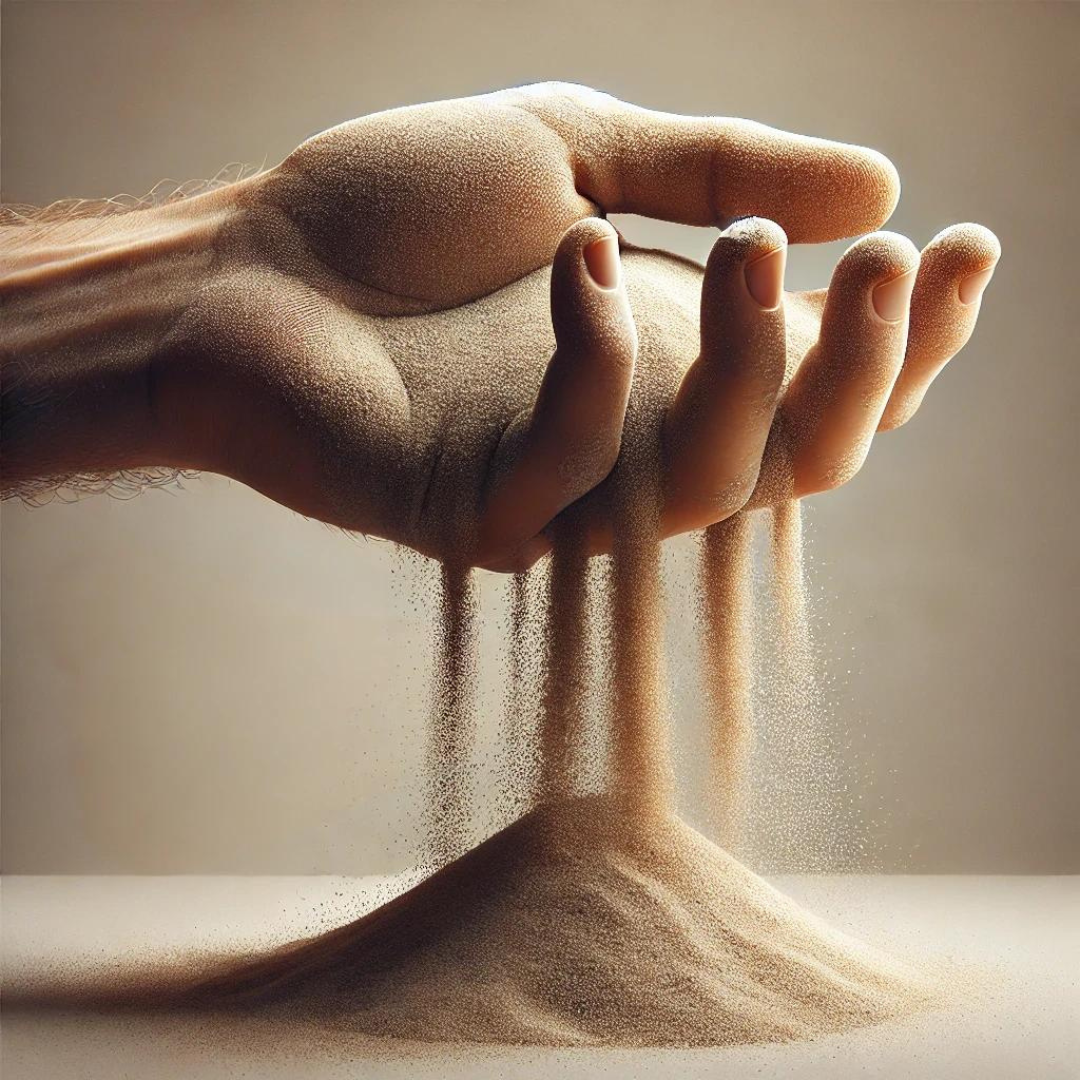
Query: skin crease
[378,338]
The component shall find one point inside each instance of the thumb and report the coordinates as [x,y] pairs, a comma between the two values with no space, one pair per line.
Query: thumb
[569,441]
[707,170]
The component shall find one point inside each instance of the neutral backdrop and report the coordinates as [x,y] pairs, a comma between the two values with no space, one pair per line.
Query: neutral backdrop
[198,680]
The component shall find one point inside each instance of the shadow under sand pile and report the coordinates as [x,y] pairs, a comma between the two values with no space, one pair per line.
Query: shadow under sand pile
[574,927]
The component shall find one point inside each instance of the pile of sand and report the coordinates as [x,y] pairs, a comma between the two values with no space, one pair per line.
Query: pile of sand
[581,924]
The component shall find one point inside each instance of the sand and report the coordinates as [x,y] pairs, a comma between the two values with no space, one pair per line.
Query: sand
[452,722]
[726,611]
[582,924]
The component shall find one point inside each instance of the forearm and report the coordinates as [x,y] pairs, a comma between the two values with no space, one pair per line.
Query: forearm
[86,304]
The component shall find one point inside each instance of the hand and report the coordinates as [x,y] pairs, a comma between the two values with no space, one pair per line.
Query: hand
[372,350]
[363,333]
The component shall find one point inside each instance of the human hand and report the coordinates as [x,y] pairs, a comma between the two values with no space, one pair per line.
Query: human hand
[364,333]
[753,403]
[371,350]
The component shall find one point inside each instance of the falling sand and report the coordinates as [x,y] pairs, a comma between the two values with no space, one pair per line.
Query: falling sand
[598,917]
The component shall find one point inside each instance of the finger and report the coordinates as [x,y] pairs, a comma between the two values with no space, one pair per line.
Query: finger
[716,429]
[836,398]
[570,439]
[709,170]
[956,267]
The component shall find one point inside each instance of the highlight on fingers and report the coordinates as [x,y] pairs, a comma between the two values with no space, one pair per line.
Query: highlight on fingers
[954,271]
[716,429]
[836,399]
[569,440]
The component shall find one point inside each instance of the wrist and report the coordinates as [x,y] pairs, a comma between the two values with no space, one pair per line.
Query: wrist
[88,303]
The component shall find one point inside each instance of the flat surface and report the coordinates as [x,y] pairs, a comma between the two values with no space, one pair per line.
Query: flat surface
[1023,931]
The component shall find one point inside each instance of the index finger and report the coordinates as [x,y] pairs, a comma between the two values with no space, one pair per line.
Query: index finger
[712,170]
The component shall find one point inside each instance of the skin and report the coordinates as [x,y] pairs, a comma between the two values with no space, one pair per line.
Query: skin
[419,325]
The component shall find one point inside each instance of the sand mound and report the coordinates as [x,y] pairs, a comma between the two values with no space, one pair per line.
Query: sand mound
[536,937]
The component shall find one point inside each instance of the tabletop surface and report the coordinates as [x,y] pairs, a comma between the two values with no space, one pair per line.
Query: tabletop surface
[1024,932]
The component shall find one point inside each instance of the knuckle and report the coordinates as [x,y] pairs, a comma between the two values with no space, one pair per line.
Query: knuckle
[558,91]
[572,91]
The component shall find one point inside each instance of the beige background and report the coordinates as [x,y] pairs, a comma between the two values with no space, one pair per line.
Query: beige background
[202,681]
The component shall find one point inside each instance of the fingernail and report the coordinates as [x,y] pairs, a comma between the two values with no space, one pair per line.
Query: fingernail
[891,297]
[971,287]
[765,278]
[602,261]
